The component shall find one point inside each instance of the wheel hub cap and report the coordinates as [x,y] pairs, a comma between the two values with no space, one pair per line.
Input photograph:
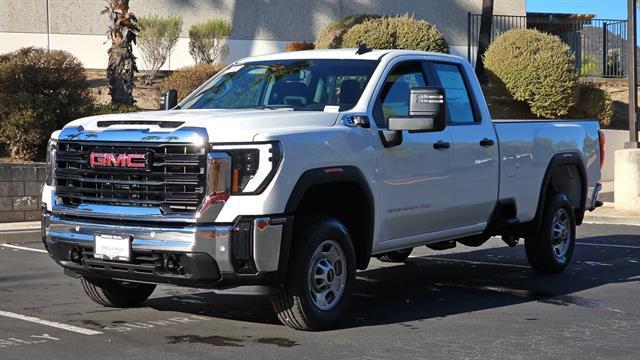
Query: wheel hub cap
[327,275]
[561,234]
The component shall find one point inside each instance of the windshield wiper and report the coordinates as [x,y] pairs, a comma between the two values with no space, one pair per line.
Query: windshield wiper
[272,107]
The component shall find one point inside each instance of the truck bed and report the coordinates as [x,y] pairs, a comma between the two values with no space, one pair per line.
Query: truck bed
[527,147]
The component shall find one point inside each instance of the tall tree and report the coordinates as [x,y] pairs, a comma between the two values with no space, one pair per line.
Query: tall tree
[123,30]
[484,38]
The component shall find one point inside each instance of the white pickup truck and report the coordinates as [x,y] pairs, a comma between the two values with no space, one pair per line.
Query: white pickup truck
[283,174]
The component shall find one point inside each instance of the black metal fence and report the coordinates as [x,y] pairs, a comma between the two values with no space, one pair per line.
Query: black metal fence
[599,44]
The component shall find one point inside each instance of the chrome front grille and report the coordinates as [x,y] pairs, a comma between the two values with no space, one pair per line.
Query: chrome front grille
[174,179]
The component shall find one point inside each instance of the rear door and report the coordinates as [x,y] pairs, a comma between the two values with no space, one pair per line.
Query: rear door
[474,147]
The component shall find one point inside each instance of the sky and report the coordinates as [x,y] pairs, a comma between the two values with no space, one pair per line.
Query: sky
[603,9]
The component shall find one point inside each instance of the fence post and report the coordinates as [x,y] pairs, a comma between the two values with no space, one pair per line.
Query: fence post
[469,36]
[605,50]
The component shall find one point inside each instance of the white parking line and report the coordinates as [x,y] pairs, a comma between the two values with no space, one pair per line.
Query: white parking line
[470,261]
[54,324]
[609,245]
[23,248]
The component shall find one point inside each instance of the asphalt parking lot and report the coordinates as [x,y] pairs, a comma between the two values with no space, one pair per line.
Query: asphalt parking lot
[471,303]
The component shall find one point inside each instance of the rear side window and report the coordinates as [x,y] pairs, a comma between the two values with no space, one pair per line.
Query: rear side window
[456,93]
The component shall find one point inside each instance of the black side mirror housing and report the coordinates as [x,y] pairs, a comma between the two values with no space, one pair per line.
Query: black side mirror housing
[427,111]
[168,99]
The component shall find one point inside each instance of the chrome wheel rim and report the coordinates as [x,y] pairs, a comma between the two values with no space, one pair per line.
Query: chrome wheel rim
[560,234]
[327,275]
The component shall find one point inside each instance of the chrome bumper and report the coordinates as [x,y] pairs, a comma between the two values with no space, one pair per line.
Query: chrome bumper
[593,201]
[259,240]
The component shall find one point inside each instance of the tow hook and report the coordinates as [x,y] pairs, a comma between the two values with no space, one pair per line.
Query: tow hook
[510,239]
[75,255]
[172,264]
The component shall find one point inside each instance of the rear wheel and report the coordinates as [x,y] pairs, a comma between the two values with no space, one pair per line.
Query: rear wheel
[113,293]
[395,256]
[551,249]
[319,287]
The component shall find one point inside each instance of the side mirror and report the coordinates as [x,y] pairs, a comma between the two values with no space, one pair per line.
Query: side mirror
[426,111]
[168,99]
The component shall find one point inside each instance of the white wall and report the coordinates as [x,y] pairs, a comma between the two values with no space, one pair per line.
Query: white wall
[92,49]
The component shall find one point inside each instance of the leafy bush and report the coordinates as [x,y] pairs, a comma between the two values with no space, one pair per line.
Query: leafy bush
[156,39]
[331,36]
[593,103]
[40,92]
[398,32]
[207,41]
[299,45]
[536,68]
[188,79]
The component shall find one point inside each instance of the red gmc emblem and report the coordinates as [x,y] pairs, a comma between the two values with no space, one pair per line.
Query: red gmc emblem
[118,160]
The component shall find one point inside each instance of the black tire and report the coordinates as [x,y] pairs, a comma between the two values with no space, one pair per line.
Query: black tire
[395,256]
[294,305]
[550,250]
[112,293]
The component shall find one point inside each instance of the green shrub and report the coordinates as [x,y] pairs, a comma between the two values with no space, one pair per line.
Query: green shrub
[40,92]
[536,68]
[331,36]
[593,103]
[208,41]
[398,32]
[188,79]
[299,45]
[156,39]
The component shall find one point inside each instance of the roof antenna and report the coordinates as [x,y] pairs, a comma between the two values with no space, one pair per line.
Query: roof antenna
[362,49]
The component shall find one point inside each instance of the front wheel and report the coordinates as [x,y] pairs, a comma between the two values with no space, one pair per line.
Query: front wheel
[550,250]
[319,287]
[113,293]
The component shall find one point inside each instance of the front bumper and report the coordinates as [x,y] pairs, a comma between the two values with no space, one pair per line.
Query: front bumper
[252,251]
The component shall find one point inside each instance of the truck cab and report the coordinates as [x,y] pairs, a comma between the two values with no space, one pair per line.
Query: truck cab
[285,173]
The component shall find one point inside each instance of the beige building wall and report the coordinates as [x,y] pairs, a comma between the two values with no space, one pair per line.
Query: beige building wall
[259,26]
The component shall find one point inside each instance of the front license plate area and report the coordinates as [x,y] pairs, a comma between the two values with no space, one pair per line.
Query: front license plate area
[112,247]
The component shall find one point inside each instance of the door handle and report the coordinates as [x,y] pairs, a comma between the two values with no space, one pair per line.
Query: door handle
[441,145]
[486,142]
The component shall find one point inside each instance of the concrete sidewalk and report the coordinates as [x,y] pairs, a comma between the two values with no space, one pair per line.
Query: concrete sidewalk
[607,214]
[19,232]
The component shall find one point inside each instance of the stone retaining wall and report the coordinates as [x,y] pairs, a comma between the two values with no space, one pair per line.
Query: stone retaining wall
[20,186]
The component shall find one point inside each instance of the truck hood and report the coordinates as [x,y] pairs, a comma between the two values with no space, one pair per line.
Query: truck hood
[221,125]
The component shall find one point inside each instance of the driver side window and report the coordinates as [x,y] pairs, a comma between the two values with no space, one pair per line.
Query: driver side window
[394,96]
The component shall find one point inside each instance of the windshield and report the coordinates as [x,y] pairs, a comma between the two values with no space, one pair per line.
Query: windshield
[312,85]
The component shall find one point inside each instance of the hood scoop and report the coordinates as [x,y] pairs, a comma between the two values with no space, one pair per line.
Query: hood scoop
[162,124]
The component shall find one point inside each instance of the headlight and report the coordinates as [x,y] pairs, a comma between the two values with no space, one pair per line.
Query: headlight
[238,170]
[52,148]
[253,166]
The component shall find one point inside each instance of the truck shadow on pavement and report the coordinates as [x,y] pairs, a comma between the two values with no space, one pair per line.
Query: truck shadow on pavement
[435,287]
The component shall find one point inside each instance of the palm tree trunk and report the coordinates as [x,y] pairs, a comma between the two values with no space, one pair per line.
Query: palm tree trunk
[485,38]
[122,63]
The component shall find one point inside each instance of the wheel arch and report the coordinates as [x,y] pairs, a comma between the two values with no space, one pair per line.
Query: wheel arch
[558,176]
[321,186]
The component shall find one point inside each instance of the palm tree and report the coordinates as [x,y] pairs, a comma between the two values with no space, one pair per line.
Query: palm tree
[122,64]
[484,38]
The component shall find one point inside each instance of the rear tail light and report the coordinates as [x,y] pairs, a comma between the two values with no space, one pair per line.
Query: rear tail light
[603,141]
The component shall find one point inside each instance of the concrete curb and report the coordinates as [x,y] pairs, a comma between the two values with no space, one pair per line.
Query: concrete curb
[607,215]
[20,232]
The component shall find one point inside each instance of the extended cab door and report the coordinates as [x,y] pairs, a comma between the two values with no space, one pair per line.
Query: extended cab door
[416,186]
[474,147]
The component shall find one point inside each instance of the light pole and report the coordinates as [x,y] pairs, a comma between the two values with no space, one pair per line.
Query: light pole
[632,74]
[627,161]
[48,27]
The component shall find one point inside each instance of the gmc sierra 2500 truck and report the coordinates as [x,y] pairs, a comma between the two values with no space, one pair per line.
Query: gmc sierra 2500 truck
[285,173]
